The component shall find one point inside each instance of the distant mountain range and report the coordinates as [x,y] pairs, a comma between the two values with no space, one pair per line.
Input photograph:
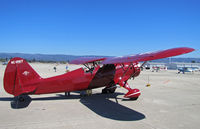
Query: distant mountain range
[47,57]
[42,57]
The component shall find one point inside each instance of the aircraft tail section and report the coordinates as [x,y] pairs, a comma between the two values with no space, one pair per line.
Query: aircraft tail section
[19,77]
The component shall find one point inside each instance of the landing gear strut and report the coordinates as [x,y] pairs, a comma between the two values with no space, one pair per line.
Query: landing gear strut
[108,90]
[67,93]
[132,94]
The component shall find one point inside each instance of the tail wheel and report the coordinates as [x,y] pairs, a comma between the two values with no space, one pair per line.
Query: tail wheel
[21,98]
[21,101]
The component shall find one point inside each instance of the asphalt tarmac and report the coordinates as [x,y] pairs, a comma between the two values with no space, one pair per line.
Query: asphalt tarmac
[171,102]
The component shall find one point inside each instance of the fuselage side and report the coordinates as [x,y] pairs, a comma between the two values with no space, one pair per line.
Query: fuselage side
[81,80]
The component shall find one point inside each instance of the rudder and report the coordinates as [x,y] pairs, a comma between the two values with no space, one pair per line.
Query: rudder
[19,77]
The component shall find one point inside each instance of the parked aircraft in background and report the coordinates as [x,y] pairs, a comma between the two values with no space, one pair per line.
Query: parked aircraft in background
[187,69]
[5,63]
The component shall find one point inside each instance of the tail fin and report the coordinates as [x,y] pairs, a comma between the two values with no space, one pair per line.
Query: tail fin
[19,77]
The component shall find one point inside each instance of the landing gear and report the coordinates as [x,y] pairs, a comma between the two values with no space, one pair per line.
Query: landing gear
[108,90]
[134,98]
[20,101]
[105,91]
[67,93]
[132,94]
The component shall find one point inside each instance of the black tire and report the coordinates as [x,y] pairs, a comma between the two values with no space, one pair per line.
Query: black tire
[105,91]
[108,90]
[112,90]
[135,98]
[21,99]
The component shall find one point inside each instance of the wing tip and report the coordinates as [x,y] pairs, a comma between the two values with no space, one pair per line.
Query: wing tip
[188,49]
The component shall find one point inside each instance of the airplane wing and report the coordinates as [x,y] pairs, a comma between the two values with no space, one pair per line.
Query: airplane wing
[135,58]
[148,56]
[85,60]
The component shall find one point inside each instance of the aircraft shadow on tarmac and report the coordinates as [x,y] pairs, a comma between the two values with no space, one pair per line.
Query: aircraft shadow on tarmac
[101,105]
[98,103]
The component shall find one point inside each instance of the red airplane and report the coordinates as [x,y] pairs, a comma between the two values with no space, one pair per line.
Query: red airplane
[21,79]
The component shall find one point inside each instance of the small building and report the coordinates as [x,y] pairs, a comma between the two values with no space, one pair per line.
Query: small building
[176,65]
[156,66]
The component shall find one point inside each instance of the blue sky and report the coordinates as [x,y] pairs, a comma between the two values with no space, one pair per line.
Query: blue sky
[98,27]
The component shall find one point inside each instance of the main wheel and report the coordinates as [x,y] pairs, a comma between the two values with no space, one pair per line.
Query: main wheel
[105,91]
[135,98]
[112,90]
[108,90]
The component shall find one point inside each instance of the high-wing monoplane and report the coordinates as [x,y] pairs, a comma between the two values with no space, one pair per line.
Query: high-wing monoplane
[21,79]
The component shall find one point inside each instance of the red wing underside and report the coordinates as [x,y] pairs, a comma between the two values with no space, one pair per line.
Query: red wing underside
[85,60]
[135,58]
[148,56]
